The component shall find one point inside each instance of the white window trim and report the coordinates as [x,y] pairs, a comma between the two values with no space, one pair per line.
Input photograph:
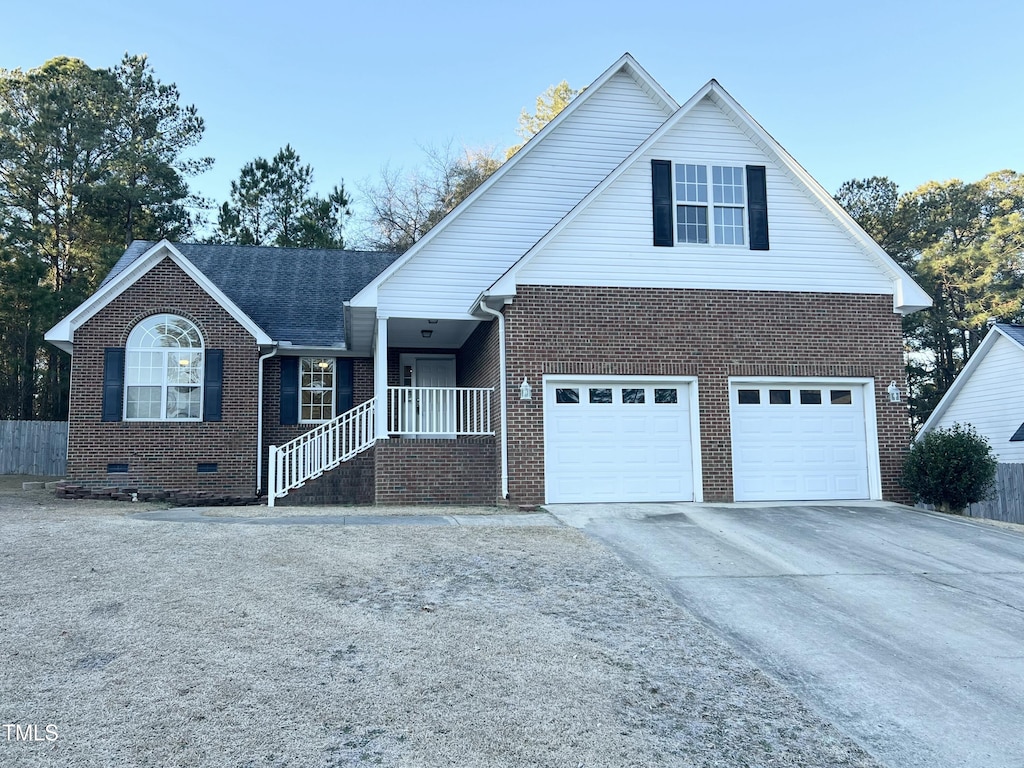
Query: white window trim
[164,384]
[333,388]
[710,205]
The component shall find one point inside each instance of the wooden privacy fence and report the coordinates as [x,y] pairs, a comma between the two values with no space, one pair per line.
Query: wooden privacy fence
[33,448]
[1008,502]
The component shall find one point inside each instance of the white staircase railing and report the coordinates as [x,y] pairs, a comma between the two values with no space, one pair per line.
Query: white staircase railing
[319,450]
[421,411]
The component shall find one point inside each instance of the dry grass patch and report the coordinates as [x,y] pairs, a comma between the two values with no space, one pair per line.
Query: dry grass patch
[189,644]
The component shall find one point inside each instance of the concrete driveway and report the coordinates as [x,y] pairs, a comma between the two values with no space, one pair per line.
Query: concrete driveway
[904,628]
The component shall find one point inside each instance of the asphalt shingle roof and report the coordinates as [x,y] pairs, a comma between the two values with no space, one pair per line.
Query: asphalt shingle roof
[1015,332]
[294,294]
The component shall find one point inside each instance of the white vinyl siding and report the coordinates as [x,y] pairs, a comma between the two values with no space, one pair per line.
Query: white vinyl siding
[488,238]
[992,400]
[610,242]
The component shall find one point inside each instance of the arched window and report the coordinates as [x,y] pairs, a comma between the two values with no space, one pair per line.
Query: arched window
[164,370]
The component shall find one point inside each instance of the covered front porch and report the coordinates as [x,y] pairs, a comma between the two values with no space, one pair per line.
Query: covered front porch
[434,411]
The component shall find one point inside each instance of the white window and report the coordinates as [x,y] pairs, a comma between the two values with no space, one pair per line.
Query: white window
[316,389]
[164,370]
[727,200]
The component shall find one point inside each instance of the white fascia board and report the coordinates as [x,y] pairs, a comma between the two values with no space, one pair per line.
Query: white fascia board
[63,332]
[308,350]
[961,379]
[908,296]
[367,297]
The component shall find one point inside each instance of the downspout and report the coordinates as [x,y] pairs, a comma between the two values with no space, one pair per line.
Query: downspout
[503,400]
[259,422]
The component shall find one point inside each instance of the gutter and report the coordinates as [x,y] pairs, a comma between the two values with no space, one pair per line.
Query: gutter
[259,421]
[503,403]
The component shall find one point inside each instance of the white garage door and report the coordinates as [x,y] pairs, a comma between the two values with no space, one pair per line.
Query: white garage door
[796,441]
[617,440]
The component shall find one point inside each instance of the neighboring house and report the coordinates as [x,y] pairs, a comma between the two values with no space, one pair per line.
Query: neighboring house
[987,394]
[648,302]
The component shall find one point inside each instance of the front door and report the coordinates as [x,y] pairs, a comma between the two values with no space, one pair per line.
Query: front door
[430,408]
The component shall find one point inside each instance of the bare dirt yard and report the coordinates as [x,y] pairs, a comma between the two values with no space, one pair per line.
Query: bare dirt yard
[130,642]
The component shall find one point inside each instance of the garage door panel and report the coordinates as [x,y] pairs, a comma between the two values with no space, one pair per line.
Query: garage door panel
[811,425]
[816,484]
[846,425]
[845,455]
[812,447]
[634,425]
[570,425]
[633,445]
[811,457]
[781,425]
[785,484]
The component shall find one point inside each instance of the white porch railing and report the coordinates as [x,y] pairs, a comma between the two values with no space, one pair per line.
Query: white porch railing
[319,450]
[440,411]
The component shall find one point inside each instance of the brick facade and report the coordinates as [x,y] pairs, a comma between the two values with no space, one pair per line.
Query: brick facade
[712,335]
[705,333]
[164,455]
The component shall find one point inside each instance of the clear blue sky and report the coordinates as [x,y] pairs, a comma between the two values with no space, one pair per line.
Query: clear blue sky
[916,91]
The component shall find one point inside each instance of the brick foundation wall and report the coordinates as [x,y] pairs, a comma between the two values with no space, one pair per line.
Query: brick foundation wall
[410,471]
[164,455]
[707,333]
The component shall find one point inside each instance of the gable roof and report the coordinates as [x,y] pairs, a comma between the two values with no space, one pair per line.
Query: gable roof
[908,296]
[626,63]
[1015,333]
[267,289]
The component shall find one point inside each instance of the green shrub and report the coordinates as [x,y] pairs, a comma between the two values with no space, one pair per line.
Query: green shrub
[950,468]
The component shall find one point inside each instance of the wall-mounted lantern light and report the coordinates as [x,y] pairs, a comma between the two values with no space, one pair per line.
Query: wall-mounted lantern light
[894,392]
[525,390]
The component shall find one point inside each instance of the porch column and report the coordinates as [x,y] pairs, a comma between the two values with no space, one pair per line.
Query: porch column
[380,380]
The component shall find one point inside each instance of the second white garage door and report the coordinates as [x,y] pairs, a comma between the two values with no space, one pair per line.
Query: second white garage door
[620,439]
[798,441]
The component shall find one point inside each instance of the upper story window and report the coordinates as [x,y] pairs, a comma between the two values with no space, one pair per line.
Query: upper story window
[316,389]
[164,370]
[727,202]
[705,204]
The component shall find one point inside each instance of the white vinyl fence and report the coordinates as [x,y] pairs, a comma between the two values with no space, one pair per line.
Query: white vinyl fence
[33,448]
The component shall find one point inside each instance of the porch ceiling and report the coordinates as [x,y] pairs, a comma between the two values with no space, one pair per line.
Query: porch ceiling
[443,334]
[407,332]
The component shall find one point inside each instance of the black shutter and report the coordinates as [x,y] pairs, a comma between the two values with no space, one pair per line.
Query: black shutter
[343,384]
[289,390]
[213,376]
[661,195]
[757,197]
[113,384]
